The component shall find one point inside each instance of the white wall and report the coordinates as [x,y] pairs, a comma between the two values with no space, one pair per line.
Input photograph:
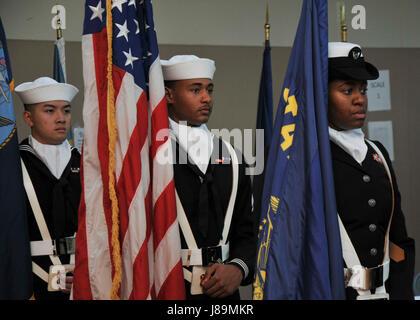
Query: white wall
[390,23]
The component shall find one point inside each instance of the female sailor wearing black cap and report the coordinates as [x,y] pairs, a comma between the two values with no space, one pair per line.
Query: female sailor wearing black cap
[376,247]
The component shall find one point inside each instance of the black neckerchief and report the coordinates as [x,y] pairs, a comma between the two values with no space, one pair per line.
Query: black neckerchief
[209,202]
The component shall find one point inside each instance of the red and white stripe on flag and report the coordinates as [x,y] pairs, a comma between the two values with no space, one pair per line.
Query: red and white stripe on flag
[148,227]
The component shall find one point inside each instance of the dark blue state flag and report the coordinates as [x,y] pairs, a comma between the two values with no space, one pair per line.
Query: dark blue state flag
[15,257]
[59,71]
[265,97]
[299,248]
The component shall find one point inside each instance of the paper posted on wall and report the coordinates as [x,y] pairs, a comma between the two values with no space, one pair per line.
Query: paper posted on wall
[382,131]
[379,92]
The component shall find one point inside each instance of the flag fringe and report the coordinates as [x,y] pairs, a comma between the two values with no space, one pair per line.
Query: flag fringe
[112,134]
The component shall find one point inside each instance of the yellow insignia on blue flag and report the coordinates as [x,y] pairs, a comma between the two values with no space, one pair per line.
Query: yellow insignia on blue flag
[263,250]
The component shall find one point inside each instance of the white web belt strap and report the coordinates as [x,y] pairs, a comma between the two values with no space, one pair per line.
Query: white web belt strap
[193,255]
[360,276]
[39,217]
[235,177]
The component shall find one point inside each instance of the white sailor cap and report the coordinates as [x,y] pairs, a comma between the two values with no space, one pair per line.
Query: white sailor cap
[346,61]
[45,89]
[183,67]
[342,49]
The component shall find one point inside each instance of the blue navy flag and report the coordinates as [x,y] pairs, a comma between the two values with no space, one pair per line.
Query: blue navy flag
[299,248]
[15,257]
[265,97]
[59,72]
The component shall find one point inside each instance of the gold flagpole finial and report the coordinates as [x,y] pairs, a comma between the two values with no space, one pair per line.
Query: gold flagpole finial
[343,26]
[267,25]
[59,31]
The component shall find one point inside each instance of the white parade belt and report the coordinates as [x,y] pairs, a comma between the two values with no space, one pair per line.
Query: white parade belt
[56,277]
[53,247]
[361,278]
[205,256]
[199,258]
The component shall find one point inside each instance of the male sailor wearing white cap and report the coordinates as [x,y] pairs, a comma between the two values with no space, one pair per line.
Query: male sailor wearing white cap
[50,169]
[213,193]
[377,251]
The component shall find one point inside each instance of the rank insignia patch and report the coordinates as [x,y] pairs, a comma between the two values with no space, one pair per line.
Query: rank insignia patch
[376,157]
[222,160]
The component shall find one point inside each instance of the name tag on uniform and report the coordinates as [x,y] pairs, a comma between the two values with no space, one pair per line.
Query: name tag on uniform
[198,273]
[57,276]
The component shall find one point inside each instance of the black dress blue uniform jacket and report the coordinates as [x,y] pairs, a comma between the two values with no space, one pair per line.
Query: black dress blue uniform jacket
[205,198]
[364,203]
[59,201]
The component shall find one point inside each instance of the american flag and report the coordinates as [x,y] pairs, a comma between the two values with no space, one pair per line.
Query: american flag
[136,254]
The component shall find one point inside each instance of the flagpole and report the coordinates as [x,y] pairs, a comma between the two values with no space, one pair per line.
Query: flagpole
[343,26]
[59,31]
[267,26]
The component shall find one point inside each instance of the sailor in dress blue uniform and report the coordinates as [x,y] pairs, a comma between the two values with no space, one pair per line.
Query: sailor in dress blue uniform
[214,203]
[52,183]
